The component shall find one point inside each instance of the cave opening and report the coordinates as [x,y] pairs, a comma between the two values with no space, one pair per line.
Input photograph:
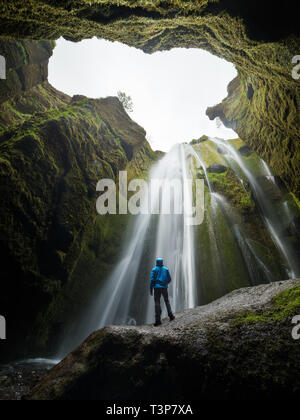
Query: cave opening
[170,90]
[58,255]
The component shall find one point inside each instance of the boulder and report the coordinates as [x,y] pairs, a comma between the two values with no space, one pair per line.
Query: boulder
[238,347]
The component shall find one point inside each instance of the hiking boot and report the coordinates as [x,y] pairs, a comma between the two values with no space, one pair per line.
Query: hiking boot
[157,324]
[172,317]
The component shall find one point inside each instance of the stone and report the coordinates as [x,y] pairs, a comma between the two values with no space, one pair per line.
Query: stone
[217,168]
[230,349]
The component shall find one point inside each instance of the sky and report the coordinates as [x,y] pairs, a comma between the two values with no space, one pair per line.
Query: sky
[170,90]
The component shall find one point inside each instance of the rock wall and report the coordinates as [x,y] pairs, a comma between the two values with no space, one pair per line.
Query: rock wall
[26,66]
[260,38]
[234,248]
[41,128]
[238,347]
[265,112]
[55,249]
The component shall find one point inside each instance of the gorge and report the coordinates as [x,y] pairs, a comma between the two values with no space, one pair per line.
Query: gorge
[66,272]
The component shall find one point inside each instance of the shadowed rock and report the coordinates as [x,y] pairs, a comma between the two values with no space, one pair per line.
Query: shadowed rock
[216,168]
[263,101]
[245,151]
[239,346]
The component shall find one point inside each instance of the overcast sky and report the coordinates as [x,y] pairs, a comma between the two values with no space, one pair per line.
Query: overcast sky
[170,90]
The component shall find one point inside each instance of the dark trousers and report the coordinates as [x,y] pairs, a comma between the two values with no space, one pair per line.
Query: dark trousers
[157,296]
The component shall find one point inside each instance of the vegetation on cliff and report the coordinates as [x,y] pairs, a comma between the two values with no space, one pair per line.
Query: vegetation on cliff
[55,248]
[53,148]
[233,243]
[263,102]
[27,65]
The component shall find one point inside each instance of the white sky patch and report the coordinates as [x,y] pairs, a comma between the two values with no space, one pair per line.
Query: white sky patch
[171,90]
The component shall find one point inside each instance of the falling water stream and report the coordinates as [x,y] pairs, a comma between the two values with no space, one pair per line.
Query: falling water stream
[124,298]
[273,223]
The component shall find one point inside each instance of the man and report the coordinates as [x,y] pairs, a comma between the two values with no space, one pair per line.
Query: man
[160,279]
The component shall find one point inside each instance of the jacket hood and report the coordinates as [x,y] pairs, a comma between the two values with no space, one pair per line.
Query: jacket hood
[159,262]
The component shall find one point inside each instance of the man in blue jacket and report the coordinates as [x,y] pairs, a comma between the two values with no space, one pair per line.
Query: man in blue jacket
[160,279]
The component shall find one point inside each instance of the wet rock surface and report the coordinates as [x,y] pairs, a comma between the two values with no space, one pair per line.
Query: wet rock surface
[210,352]
[245,151]
[17,379]
[218,169]
[263,101]
[53,151]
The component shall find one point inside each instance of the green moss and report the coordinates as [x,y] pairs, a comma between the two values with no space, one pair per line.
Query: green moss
[284,306]
[246,203]
[228,185]
[262,122]
[200,140]
[263,101]
[26,67]
[208,151]
[25,55]
[55,241]
[14,110]
[295,200]
[220,267]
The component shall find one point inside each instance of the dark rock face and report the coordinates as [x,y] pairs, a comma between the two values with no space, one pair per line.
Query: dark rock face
[263,102]
[218,169]
[232,348]
[222,151]
[46,181]
[55,249]
[268,121]
[26,66]
[201,140]
[245,151]
[88,18]
[270,187]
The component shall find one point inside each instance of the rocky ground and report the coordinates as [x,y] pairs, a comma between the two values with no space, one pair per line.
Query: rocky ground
[238,347]
[18,379]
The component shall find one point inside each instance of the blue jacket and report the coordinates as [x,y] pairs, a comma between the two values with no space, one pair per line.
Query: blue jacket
[160,276]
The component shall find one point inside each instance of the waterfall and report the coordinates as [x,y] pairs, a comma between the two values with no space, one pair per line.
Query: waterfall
[124,298]
[205,261]
[174,238]
[258,272]
[273,223]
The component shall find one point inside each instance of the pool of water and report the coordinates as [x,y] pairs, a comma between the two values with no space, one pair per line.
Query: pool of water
[18,379]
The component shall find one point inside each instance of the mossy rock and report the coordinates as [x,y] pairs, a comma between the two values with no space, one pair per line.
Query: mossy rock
[227,184]
[263,101]
[56,249]
[210,352]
